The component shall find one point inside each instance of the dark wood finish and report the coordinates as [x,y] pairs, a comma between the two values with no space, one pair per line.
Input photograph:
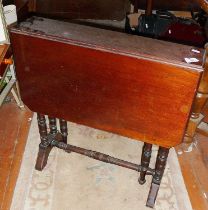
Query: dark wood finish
[159,170]
[186,5]
[14,132]
[63,129]
[110,41]
[135,6]
[54,138]
[99,156]
[23,9]
[90,9]
[44,147]
[52,125]
[173,5]
[42,127]
[57,141]
[145,161]
[105,9]
[114,74]
[130,85]
[149,7]
[160,164]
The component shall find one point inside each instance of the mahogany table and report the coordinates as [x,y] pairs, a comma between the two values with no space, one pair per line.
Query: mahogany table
[133,86]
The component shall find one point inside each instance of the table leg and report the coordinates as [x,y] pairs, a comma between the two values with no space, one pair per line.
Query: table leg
[63,129]
[199,102]
[44,147]
[52,125]
[159,170]
[145,160]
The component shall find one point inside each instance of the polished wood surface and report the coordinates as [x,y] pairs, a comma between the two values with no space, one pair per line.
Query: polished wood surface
[133,94]
[199,102]
[107,40]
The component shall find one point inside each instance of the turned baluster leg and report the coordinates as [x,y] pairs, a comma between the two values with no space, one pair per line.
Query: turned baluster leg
[44,147]
[199,102]
[64,130]
[145,160]
[52,125]
[159,170]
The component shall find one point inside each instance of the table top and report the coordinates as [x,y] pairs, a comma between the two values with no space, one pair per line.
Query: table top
[120,43]
[129,85]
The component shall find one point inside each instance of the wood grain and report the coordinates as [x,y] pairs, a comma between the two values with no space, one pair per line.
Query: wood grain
[194,167]
[14,128]
[112,41]
[129,95]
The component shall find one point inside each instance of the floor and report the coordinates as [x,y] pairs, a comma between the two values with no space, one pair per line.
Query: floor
[194,166]
[14,127]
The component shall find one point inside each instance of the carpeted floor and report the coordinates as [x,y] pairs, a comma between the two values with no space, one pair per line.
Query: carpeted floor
[74,182]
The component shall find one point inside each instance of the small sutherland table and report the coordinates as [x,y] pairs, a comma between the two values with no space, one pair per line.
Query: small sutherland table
[133,86]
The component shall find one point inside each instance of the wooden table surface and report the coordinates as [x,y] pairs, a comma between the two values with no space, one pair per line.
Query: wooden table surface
[100,74]
[113,41]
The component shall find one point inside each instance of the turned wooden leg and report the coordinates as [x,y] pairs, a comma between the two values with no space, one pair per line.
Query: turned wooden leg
[64,130]
[145,160]
[159,170]
[196,117]
[44,147]
[52,125]
[199,102]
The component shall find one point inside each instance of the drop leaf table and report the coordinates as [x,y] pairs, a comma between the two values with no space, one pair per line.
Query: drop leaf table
[129,85]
